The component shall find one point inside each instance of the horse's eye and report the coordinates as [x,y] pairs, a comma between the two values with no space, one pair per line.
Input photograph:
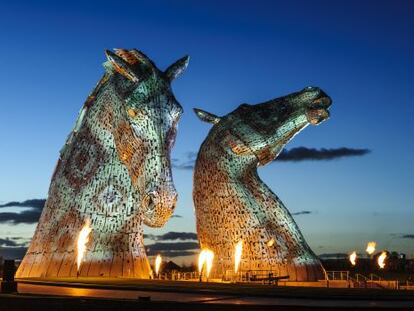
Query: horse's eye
[134,113]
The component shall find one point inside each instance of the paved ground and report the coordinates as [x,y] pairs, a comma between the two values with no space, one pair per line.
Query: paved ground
[219,288]
[202,296]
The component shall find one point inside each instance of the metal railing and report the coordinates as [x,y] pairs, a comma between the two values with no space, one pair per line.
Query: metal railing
[361,278]
[177,276]
[337,275]
[253,276]
[374,277]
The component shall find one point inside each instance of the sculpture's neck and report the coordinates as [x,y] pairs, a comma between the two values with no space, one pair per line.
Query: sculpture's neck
[237,156]
[267,148]
[99,98]
[221,164]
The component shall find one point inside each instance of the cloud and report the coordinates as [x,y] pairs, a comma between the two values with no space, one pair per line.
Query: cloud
[187,163]
[171,236]
[179,246]
[292,155]
[174,249]
[302,213]
[34,203]
[7,242]
[172,253]
[178,236]
[13,247]
[13,242]
[303,154]
[333,256]
[407,236]
[30,216]
[27,216]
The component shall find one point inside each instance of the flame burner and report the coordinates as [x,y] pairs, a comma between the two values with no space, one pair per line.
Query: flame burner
[353,258]
[83,239]
[371,247]
[381,260]
[158,261]
[237,255]
[205,262]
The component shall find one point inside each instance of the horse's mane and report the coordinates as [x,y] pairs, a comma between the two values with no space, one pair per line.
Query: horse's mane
[132,57]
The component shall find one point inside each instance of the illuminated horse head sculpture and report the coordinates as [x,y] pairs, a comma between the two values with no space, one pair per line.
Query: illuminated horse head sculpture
[114,172]
[232,204]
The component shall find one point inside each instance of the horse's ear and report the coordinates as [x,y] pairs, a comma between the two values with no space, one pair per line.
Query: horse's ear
[141,57]
[177,68]
[121,66]
[207,116]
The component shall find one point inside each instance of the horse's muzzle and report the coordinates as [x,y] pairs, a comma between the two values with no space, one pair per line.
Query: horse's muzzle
[158,206]
[318,111]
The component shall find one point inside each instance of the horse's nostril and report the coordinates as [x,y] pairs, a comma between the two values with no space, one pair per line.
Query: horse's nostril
[150,202]
[165,199]
[174,201]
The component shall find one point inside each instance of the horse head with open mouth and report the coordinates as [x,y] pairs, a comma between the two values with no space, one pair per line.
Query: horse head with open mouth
[233,204]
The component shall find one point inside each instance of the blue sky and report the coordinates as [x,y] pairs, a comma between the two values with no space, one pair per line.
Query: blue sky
[360,53]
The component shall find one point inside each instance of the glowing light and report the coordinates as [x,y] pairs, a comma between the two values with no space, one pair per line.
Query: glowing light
[158,261]
[371,247]
[352,258]
[238,255]
[83,239]
[381,260]
[271,242]
[205,259]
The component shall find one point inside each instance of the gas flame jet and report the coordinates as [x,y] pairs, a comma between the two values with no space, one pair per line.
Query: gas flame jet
[83,239]
[205,259]
[158,261]
[353,258]
[238,255]
[371,247]
[381,260]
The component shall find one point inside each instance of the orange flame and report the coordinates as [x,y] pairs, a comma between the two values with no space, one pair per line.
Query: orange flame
[371,247]
[83,239]
[205,259]
[381,260]
[353,258]
[238,255]
[158,261]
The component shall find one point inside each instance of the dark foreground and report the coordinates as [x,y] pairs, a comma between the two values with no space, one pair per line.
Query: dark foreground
[122,294]
[87,304]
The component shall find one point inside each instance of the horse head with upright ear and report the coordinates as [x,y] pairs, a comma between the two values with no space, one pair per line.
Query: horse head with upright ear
[232,204]
[114,173]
